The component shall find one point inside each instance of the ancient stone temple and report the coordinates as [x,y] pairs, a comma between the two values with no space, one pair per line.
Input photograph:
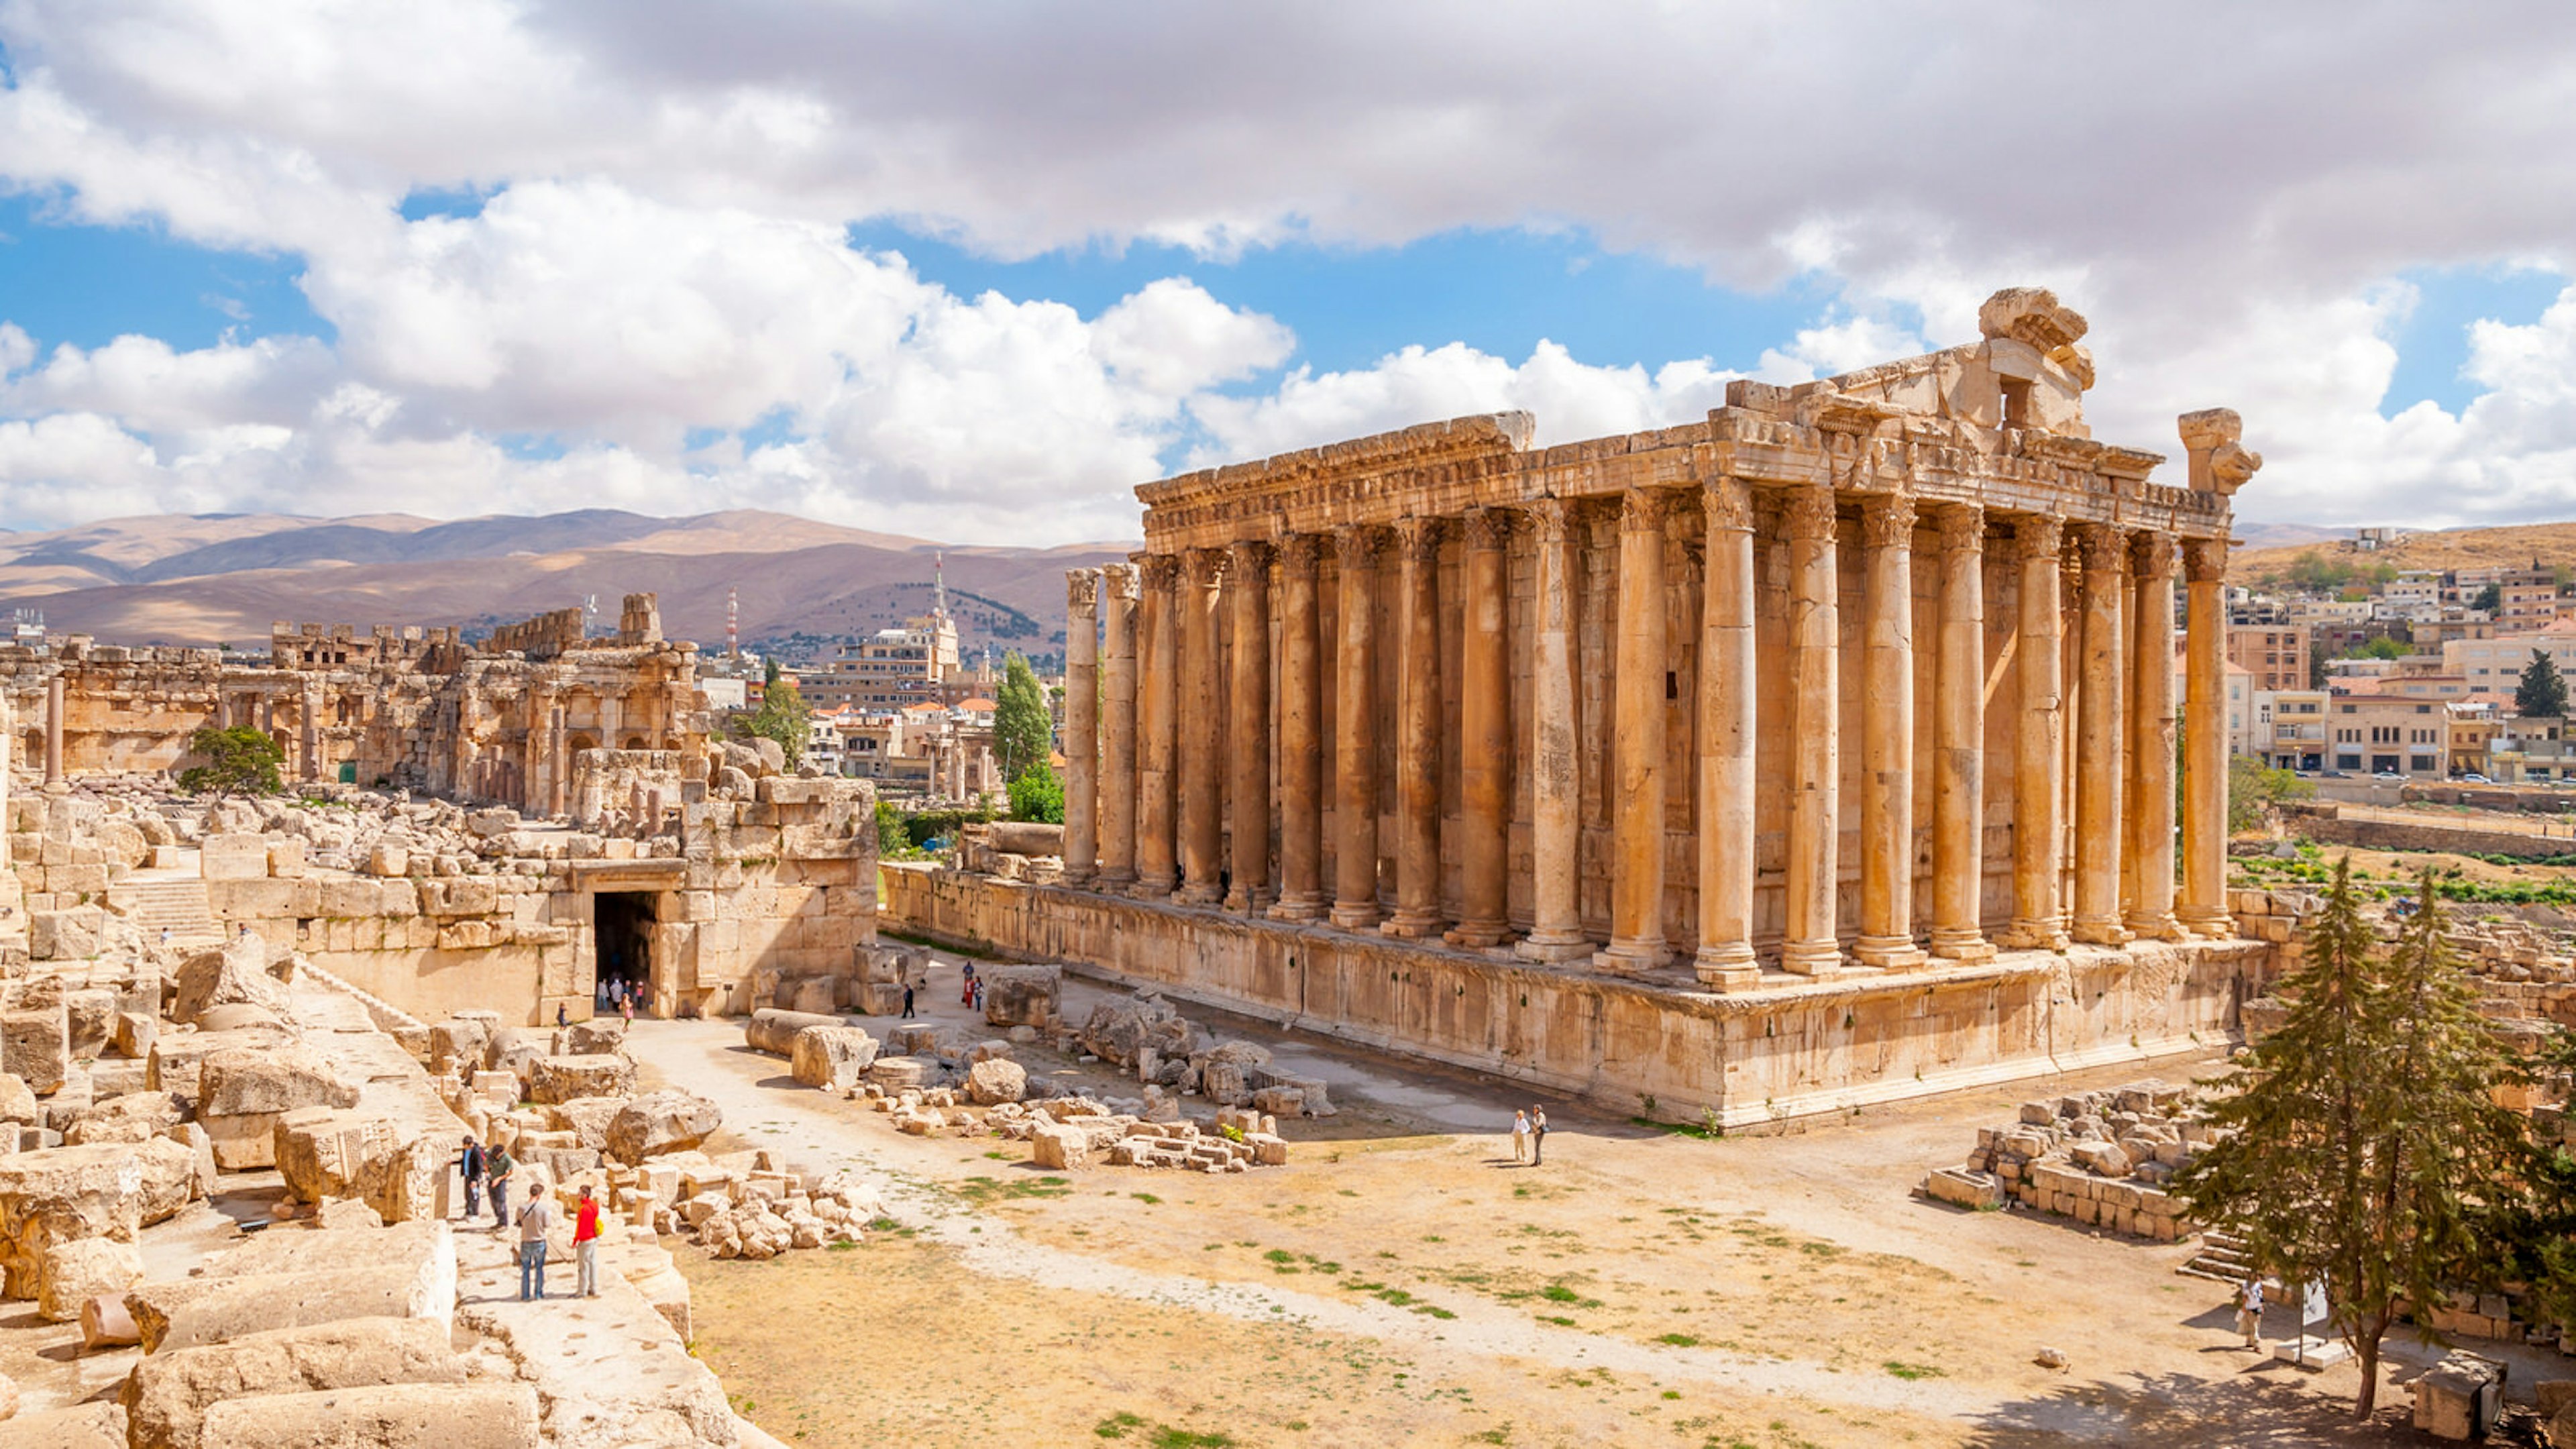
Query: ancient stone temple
[1859,682]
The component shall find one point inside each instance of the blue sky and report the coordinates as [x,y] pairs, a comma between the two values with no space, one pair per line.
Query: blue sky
[488,255]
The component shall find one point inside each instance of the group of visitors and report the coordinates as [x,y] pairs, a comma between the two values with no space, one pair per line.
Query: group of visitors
[488,1170]
[970,991]
[1529,1135]
[618,994]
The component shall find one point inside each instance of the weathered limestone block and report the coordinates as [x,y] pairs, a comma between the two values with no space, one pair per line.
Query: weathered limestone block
[233,857]
[514,1052]
[1058,1147]
[324,1276]
[237,972]
[660,1122]
[478,1415]
[133,1117]
[586,1118]
[1022,995]
[106,1324]
[17,1102]
[599,1034]
[831,1056]
[995,1081]
[89,1021]
[329,1152]
[177,1062]
[459,1039]
[35,1047]
[2460,1397]
[896,1074]
[563,1079]
[1965,1188]
[167,1396]
[133,1035]
[59,1195]
[241,1092]
[774,1031]
[66,933]
[71,1273]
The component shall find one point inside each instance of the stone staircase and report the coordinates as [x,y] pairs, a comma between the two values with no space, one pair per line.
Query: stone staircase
[155,902]
[2221,1259]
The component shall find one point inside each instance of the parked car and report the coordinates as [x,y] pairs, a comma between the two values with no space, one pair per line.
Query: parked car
[2388,775]
[2474,779]
[2337,775]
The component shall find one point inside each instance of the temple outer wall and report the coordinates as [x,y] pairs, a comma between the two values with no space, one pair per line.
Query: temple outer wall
[1748,1059]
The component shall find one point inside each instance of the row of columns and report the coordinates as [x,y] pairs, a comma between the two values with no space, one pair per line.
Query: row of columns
[1154,757]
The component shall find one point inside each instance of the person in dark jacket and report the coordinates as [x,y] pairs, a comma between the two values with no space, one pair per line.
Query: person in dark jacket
[470,1162]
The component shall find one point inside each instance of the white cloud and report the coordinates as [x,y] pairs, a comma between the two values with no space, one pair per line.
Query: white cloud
[2228,196]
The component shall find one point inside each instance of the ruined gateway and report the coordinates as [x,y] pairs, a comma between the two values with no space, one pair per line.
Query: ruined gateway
[1654,768]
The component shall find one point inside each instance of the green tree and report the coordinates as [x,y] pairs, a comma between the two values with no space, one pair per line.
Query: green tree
[1038,795]
[2490,598]
[892,841]
[238,761]
[1023,732]
[783,716]
[2383,647]
[2361,1147]
[2543,691]
[2254,789]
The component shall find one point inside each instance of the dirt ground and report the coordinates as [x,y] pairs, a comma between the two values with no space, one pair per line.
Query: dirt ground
[1405,1281]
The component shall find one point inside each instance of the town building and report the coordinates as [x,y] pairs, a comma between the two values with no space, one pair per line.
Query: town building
[2275,655]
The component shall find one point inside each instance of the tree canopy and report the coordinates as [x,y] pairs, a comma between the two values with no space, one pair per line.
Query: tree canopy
[783,716]
[238,761]
[1023,730]
[1037,795]
[2361,1146]
[2543,690]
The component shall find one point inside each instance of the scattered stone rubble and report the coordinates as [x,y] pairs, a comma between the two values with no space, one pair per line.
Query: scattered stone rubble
[140,1080]
[934,1081]
[2102,1158]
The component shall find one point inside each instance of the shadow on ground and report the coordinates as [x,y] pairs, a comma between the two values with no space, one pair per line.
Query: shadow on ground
[2265,1406]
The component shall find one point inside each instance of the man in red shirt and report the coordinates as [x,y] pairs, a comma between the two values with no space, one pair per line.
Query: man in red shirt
[585,1244]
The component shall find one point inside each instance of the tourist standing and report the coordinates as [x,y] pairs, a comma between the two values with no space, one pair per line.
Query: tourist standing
[563,1016]
[1538,1135]
[470,1162]
[979,995]
[626,1009]
[585,1244]
[907,1001]
[498,1163]
[2249,1310]
[1520,1136]
[966,986]
[534,1220]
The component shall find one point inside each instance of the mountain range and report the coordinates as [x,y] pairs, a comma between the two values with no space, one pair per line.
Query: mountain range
[224,578]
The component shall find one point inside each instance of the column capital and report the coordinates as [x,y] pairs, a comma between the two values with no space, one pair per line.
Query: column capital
[1358,545]
[1418,539]
[1206,567]
[1729,504]
[1118,582]
[2104,549]
[1488,528]
[2151,554]
[1249,555]
[1887,520]
[1081,593]
[2039,533]
[1299,553]
[1159,570]
[1645,509]
[2204,560]
[1808,513]
[1963,528]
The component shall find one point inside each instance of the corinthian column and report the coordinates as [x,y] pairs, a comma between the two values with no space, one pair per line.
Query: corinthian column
[1959,742]
[1081,724]
[1202,794]
[1248,883]
[1556,925]
[1417,755]
[1811,943]
[2204,739]
[54,729]
[1117,808]
[1887,739]
[1156,860]
[1355,733]
[1637,877]
[2039,741]
[1726,734]
[1485,730]
[1301,755]
[2151,740]
[2098,743]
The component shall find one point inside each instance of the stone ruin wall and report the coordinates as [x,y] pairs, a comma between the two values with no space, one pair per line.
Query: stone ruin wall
[402,709]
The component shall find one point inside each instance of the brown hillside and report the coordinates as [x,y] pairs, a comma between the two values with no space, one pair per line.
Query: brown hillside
[2446,549]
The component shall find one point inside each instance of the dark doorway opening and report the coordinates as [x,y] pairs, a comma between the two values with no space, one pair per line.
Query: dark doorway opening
[622,930]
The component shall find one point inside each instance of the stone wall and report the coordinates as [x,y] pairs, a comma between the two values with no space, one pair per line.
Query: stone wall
[1750,1058]
[2327,825]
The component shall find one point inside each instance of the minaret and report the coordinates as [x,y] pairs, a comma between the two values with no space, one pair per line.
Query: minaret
[939,585]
